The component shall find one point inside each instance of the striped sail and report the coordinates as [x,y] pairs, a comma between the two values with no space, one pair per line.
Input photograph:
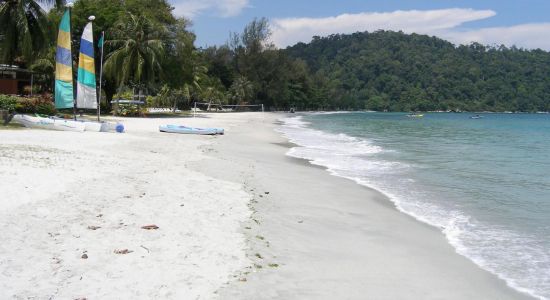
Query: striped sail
[63,65]
[86,96]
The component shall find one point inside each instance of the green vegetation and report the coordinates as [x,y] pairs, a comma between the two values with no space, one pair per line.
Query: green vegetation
[136,52]
[23,26]
[399,72]
[8,103]
[151,52]
[36,105]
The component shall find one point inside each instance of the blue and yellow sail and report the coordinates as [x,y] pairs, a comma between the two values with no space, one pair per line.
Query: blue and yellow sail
[86,96]
[64,97]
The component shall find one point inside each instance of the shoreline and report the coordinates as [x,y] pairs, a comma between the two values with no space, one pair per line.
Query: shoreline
[386,199]
[238,218]
[461,248]
[288,227]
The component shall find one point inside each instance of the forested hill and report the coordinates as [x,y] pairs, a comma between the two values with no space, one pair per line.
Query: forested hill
[394,71]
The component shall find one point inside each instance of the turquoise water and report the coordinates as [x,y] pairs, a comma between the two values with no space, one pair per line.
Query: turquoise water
[485,182]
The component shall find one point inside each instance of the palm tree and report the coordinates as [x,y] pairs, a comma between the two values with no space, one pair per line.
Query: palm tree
[136,52]
[23,26]
[241,90]
[194,76]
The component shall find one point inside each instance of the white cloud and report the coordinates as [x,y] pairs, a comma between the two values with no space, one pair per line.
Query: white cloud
[223,8]
[292,30]
[443,23]
[529,36]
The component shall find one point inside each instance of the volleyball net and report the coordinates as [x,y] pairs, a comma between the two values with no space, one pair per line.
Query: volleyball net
[199,107]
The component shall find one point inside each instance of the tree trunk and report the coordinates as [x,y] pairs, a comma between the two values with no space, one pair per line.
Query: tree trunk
[108,98]
[139,104]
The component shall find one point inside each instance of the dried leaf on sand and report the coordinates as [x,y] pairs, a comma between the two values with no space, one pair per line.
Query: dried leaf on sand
[150,227]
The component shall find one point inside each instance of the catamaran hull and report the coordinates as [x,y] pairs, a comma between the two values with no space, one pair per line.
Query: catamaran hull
[49,124]
[100,126]
[111,127]
[94,126]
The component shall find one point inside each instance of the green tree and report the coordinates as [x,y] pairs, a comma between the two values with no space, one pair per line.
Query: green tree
[179,54]
[23,26]
[396,71]
[44,66]
[241,90]
[136,53]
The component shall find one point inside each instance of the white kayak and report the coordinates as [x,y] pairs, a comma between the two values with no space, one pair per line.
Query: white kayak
[50,124]
[190,130]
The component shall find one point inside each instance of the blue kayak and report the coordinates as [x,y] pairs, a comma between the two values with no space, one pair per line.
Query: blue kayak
[190,130]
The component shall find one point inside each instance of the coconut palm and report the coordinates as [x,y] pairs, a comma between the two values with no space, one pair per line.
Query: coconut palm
[136,50]
[241,90]
[23,26]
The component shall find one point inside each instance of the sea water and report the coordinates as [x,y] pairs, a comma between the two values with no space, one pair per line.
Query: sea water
[484,182]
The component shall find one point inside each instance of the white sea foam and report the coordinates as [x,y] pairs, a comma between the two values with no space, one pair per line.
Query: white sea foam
[516,258]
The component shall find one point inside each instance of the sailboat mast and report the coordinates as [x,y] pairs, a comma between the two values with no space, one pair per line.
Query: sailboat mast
[100,75]
[69,6]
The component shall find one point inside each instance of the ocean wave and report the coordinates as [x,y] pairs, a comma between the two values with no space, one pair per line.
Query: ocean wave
[516,258]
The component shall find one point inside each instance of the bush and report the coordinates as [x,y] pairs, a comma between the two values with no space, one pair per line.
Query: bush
[42,105]
[131,110]
[8,103]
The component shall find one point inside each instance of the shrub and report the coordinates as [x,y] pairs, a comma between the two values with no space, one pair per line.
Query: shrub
[7,103]
[40,105]
[131,110]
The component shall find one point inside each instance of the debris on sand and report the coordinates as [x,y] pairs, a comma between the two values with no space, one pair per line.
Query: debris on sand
[150,227]
[91,227]
[123,251]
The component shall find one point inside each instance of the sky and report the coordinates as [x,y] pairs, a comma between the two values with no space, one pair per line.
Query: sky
[523,23]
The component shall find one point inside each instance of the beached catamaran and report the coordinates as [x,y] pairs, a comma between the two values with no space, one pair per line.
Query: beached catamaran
[64,96]
[86,83]
[86,93]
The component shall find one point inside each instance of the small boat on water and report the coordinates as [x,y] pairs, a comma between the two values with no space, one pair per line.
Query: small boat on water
[415,116]
[50,124]
[190,130]
[476,117]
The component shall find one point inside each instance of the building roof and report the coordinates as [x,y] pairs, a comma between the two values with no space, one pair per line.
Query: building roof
[14,69]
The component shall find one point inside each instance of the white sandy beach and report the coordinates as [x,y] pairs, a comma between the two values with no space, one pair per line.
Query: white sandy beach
[237,220]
